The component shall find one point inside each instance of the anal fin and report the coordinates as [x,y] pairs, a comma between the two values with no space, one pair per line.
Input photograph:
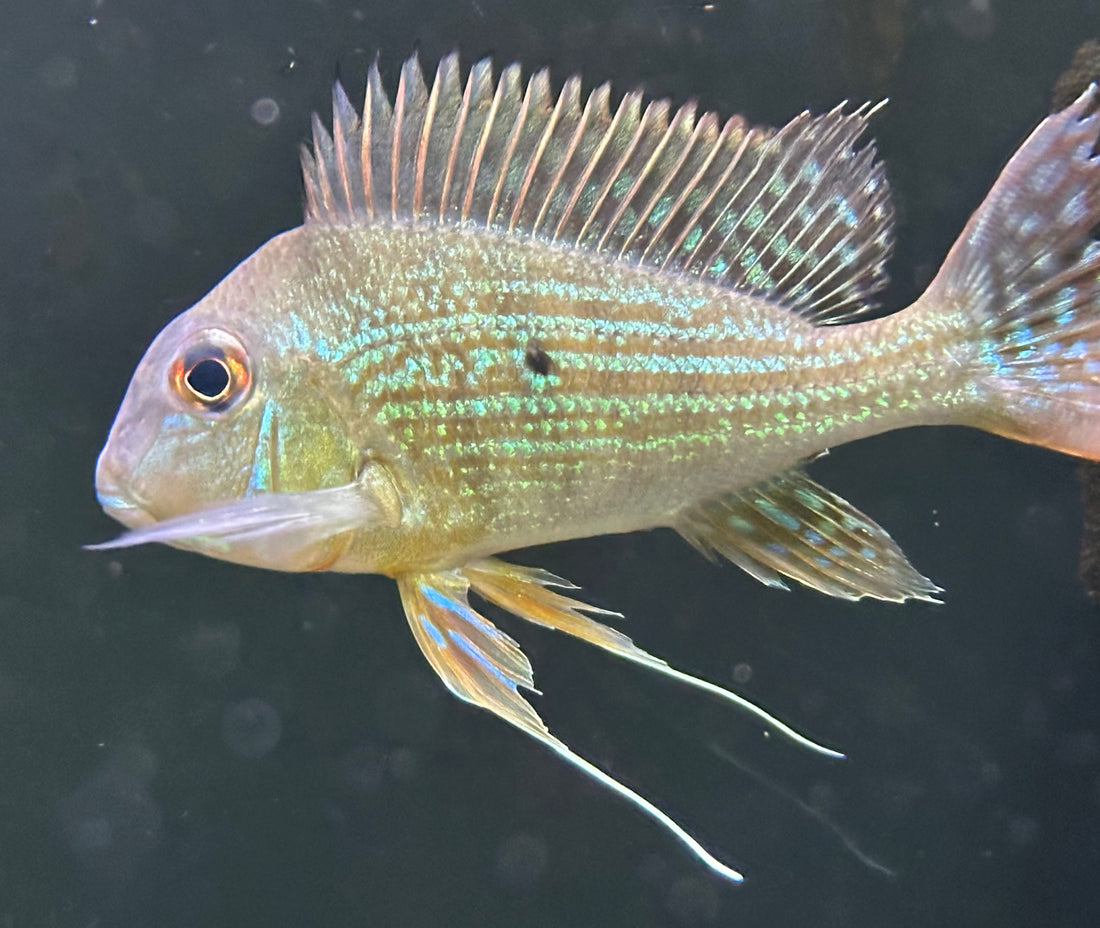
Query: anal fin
[791,526]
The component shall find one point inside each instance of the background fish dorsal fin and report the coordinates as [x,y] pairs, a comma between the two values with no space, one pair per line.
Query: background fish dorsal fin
[799,213]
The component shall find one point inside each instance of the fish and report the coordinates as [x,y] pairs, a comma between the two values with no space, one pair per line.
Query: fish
[514,316]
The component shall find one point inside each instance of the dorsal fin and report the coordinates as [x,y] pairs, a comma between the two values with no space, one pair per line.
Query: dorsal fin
[799,214]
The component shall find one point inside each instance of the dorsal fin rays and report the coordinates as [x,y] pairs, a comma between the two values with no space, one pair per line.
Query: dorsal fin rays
[376,151]
[801,214]
[487,159]
[344,124]
[651,130]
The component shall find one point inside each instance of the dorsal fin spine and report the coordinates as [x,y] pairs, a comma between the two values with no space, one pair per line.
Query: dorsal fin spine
[422,143]
[322,144]
[690,187]
[574,138]
[696,222]
[735,162]
[656,114]
[653,160]
[345,117]
[479,149]
[685,114]
[597,101]
[627,112]
[309,172]
[452,155]
[474,113]
[540,149]
[702,135]
[510,146]
[628,154]
[365,149]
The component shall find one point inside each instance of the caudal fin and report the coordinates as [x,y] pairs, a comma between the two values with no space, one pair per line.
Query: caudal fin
[1026,273]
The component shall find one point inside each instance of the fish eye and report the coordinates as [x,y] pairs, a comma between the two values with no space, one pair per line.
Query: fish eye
[211,375]
[209,379]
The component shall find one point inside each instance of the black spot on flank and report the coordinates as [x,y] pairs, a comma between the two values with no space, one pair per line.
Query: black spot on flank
[536,359]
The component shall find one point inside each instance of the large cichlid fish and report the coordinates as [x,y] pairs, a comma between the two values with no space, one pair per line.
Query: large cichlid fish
[511,318]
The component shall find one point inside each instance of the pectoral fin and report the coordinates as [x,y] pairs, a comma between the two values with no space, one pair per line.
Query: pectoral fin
[790,526]
[483,666]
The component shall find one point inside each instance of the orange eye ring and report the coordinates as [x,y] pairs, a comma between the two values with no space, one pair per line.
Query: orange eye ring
[211,375]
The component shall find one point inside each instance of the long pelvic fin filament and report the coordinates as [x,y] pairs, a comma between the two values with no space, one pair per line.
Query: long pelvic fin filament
[482,665]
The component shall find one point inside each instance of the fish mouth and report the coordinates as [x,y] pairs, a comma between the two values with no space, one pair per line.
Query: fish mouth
[122,509]
[121,505]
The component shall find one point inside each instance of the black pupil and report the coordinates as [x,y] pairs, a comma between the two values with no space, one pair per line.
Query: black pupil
[209,378]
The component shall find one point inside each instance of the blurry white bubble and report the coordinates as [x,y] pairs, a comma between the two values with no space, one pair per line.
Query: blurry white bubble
[110,823]
[742,673]
[251,728]
[364,765]
[972,19]
[90,834]
[212,650]
[264,111]
[693,900]
[822,798]
[403,764]
[1022,830]
[154,221]
[1078,749]
[58,72]
[521,861]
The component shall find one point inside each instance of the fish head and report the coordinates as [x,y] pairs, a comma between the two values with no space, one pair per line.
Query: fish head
[231,444]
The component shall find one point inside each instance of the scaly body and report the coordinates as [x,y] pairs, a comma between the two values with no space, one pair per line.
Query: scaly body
[662,390]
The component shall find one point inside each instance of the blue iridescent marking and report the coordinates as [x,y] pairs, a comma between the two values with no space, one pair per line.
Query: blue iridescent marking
[433,632]
[470,648]
[178,420]
[461,610]
[259,481]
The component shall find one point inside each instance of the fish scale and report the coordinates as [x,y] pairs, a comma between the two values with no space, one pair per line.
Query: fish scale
[511,318]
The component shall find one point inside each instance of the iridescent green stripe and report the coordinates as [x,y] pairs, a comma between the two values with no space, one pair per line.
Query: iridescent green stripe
[377,374]
[454,325]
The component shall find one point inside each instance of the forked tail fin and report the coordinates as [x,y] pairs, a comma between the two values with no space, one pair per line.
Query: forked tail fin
[1026,274]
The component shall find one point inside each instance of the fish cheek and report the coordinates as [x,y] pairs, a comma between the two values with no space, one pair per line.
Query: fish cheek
[193,463]
[302,443]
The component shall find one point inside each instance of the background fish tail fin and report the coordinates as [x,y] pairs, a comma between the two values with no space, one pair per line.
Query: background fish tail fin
[1025,275]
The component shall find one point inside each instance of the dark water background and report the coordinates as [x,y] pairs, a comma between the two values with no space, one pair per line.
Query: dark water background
[188,743]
